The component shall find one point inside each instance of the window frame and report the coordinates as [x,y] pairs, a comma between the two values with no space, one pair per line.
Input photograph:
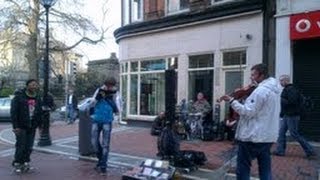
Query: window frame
[138,116]
[175,12]
[139,12]
[241,66]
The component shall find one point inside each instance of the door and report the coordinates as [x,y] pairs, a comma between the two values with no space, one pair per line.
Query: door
[306,64]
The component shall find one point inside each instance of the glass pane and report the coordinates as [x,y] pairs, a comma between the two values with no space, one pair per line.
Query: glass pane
[152,95]
[125,12]
[134,66]
[184,4]
[173,5]
[234,80]
[201,81]
[172,63]
[136,10]
[124,67]
[134,94]
[153,65]
[201,61]
[124,85]
[234,58]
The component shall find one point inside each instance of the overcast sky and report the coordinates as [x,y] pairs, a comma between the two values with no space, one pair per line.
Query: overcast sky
[100,51]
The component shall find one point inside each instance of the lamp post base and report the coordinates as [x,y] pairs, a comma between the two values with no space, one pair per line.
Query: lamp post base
[45,139]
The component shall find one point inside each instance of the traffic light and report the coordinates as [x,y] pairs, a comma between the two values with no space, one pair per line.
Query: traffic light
[74,68]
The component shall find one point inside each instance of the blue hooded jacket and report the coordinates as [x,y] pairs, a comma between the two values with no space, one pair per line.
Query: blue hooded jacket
[103,111]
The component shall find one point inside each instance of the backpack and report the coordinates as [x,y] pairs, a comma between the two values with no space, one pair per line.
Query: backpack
[168,143]
[306,103]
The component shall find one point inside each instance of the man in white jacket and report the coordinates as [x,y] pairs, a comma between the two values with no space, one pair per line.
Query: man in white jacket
[258,125]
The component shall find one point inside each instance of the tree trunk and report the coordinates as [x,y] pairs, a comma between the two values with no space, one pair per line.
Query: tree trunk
[32,42]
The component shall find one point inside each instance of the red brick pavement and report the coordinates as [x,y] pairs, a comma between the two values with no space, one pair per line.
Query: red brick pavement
[293,166]
[53,167]
[141,143]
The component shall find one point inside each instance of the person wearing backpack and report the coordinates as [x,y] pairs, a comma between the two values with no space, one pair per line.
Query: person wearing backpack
[102,118]
[290,115]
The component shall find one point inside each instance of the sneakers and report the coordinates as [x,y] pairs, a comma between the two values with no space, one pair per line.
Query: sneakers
[27,166]
[277,153]
[18,168]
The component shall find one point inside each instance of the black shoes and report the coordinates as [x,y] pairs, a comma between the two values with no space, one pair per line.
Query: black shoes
[311,156]
[277,153]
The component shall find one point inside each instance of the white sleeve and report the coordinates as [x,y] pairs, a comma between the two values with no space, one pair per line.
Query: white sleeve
[251,106]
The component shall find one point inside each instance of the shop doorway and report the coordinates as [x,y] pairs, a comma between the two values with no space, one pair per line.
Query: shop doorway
[306,72]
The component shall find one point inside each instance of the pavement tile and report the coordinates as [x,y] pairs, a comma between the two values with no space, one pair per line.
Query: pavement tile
[137,141]
[53,167]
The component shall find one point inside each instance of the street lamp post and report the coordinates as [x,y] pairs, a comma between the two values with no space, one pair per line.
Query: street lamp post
[45,139]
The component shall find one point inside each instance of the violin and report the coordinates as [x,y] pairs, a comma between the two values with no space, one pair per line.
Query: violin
[239,94]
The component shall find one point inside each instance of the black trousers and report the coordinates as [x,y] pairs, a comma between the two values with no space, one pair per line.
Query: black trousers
[24,144]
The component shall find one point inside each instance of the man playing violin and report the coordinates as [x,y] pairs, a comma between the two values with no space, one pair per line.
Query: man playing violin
[258,124]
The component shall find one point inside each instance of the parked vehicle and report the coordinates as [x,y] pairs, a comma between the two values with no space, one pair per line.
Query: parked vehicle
[62,110]
[5,104]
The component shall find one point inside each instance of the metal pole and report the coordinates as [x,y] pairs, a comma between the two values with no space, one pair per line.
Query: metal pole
[45,139]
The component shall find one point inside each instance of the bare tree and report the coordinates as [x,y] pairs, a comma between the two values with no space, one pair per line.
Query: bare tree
[23,22]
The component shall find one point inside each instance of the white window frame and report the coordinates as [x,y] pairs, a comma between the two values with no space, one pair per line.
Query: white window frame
[138,73]
[241,66]
[139,12]
[202,69]
[174,12]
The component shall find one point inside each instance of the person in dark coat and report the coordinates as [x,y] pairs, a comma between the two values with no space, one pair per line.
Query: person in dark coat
[158,124]
[25,116]
[290,116]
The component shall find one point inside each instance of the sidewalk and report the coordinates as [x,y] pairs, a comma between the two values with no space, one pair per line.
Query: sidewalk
[131,145]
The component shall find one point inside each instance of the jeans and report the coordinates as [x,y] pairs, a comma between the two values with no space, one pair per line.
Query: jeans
[247,151]
[102,146]
[291,123]
[72,114]
[24,144]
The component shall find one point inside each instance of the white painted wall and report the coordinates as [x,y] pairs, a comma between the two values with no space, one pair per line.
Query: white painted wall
[296,6]
[283,47]
[213,37]
[208,37]
[285,8]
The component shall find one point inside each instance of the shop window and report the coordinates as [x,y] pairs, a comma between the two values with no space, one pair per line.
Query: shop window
[176,6]
[145,94]
[152,93]
[172,63]
[201,81]
[134,66]
[124,67]
[201,76]
[153,65]
[234,58]
[133,94]
[233,81]
[124,91]
[201,61]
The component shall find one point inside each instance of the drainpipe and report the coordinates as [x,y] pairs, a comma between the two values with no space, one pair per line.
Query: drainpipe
[269,31]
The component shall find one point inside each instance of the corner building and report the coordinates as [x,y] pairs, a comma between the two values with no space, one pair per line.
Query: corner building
[298,54]
[211,44]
